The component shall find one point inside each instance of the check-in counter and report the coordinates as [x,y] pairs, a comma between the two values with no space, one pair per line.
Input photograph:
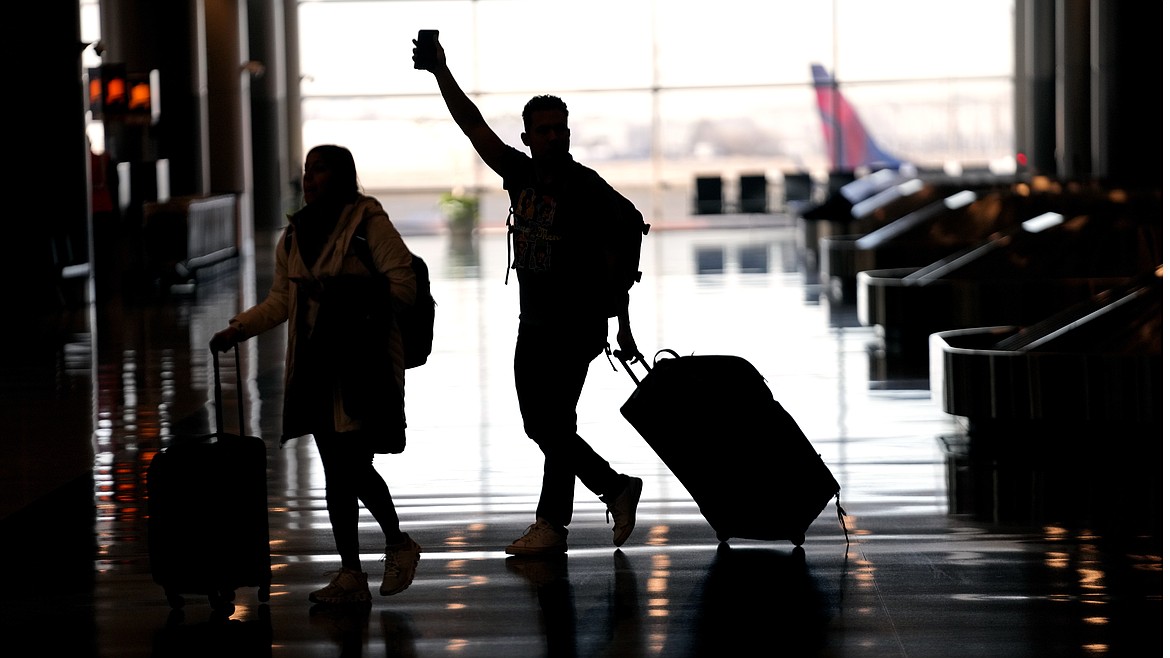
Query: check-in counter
[923,226]
[1013,277]
[1095,366]
[1063,417]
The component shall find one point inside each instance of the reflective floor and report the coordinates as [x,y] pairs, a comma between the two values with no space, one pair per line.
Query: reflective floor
[942,558]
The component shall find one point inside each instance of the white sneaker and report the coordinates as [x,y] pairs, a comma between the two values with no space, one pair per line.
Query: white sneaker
[540,538]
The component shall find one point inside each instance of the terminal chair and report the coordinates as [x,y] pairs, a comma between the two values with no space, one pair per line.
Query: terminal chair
[708,195]
[753,193]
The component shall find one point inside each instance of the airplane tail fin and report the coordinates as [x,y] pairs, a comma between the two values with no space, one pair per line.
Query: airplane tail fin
[847,140]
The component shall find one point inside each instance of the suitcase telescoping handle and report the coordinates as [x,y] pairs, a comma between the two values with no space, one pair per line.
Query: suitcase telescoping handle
[219,391]
[626,364]
[638,357]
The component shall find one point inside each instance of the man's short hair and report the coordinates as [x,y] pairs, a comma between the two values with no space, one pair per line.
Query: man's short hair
[540,103]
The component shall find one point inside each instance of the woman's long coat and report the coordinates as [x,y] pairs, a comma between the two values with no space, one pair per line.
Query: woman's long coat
[295,298]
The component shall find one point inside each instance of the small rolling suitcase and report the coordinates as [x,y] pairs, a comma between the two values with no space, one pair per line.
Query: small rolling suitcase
[208,511]
[740,454]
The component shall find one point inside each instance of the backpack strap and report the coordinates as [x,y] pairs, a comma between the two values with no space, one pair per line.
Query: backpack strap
[361,247]
[841,518]
[511,224]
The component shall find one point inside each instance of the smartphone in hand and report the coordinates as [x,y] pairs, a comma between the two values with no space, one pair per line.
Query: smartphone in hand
[424,52]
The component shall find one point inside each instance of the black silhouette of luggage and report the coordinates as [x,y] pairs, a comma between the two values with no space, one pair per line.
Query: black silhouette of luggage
[208,512]
[713,421]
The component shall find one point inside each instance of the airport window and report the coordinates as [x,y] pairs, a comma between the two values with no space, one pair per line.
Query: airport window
[658,92]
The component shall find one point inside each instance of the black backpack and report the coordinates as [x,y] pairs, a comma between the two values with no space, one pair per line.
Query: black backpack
[416,322]
[622,240]
[624,250]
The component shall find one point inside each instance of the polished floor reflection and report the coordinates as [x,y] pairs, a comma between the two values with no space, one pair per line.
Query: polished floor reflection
[943,558]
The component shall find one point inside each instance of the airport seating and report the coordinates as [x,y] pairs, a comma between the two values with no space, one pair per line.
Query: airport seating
[798,187]
[708,195]
[184,234]
[753,193]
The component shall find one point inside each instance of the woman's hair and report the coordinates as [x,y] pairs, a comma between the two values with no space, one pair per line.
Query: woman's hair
[343,171]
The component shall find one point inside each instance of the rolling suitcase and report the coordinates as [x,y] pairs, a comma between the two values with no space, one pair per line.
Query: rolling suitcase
[736,450]
[208,511]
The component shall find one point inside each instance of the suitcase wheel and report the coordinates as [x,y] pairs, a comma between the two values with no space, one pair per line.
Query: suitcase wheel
[263,594]
[798,540]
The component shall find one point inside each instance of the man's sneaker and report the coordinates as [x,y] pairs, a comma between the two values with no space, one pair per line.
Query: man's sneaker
[624,508]
[401,562]
[347,586]
[540,538]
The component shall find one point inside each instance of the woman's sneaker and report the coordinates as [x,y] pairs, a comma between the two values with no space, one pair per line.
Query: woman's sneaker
[541,538]
[401,563]
[347,586]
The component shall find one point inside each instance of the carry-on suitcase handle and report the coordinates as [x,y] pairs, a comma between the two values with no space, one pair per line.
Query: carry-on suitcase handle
[219,391]
[638,357]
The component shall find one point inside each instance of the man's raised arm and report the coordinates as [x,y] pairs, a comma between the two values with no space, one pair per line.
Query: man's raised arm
[465,113]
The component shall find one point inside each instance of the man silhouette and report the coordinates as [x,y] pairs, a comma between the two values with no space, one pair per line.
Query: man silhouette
[562,215]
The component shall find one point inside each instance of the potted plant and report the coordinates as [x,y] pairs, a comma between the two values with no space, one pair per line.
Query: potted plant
[460,210]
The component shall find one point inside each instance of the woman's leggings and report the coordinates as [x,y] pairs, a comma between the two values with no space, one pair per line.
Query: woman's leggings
[349,477]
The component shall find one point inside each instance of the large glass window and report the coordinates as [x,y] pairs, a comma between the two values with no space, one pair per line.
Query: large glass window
[659,91]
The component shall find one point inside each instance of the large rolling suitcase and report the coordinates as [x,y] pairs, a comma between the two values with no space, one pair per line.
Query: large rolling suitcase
[742,457]
[208,511]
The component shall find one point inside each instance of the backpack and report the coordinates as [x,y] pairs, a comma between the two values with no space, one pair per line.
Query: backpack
[623,253]
[622,245]
[416,322]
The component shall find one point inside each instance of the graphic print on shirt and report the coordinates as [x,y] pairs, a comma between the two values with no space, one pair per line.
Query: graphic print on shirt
[534,237]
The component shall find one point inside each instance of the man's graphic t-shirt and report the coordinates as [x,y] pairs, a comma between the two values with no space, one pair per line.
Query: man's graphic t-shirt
[557,232]
[533,235]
